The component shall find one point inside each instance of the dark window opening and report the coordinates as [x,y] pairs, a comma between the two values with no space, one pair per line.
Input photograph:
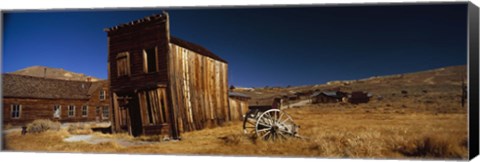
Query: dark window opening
[150,60]
[71,111]
[106,112]
[16,111]
[84,111]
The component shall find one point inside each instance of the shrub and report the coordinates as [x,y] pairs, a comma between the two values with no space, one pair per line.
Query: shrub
[7,126]
[432,146]
[42,125]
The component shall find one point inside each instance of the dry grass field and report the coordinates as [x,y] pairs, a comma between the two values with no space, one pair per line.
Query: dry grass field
[427,122]
[331,132]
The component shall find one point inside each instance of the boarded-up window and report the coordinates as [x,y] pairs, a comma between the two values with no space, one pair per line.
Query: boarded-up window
[150,60]
[57,111]
[71,111]
[154,101]
[123,64]
[16,109]
[84,111]
[106,112]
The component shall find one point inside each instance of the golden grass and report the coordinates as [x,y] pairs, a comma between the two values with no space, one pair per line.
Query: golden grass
[371,130]
[80,129]
[405,127]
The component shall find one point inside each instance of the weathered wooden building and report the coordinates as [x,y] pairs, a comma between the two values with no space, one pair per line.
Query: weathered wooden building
[26,98]
[161,84]
[328,97]
[358,97]
[238,105]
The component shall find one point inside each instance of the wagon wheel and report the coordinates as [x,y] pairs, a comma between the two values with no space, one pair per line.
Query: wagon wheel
[274,124]
[249,122]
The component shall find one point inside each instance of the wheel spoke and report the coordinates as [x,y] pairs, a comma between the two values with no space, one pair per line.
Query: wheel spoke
[266,121]
[264,124]
[262,130]
[284,131]
[263,136]
[280,118]
[282,135]
[250,122]
[288,118]
[269,118]
[275,115]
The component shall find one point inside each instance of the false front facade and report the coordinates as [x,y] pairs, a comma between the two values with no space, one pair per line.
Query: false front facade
[161,84]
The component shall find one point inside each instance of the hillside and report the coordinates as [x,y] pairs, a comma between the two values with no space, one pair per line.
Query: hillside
[53,73]
[444,81]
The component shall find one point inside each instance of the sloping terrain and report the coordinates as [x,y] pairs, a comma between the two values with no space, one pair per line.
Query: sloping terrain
[53,73]
[427,85]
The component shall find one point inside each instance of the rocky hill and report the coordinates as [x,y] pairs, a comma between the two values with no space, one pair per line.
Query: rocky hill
[54,73]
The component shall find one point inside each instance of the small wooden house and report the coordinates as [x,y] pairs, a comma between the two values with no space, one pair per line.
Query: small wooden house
[161,84]
[328,97]
[238,105]
[27,98]
[359,97]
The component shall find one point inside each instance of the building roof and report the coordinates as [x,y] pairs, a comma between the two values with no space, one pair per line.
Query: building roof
[236,94]
[195,48]
[95,86]
[327,93]
[36,87]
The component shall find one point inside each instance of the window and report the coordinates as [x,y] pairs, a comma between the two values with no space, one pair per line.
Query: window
[16,109]
[57,111]
[106,112]
[71,111]
[123,64]
[102,95]
[84,111]
[150,60]
[97,111]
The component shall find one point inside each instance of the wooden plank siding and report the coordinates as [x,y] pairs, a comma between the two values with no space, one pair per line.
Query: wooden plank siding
[37,99]
[135,39]
[198,89]
[32,109]
[238,108]
[188,91]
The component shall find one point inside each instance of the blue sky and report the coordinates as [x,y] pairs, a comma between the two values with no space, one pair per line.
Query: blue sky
[275,46]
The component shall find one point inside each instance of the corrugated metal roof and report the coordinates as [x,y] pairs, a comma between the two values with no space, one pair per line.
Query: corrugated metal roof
[326,93]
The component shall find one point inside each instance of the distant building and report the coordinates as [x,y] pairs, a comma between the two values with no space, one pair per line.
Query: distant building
[304,95]
[359,97]
[26,98]
[238,105]
[265,104]
[328,97]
